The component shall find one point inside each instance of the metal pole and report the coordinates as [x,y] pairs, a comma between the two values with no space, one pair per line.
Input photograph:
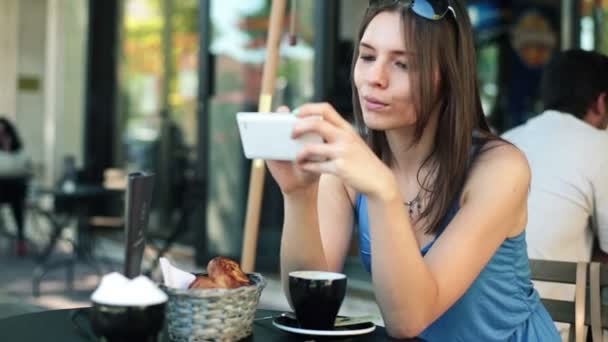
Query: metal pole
[326,27]
[570,24]
[566,27]
[205,91]
[598,26]
[164,165]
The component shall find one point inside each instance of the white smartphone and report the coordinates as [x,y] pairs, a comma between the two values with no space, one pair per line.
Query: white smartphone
[268,135]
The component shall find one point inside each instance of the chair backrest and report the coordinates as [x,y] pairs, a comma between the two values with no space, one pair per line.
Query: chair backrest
[570,312]
[598,280]
[588,306]
[109,214]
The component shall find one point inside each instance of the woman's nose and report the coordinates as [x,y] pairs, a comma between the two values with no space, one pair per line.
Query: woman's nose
[378,75]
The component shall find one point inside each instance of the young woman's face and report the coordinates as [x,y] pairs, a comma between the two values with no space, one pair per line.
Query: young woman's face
[383,74]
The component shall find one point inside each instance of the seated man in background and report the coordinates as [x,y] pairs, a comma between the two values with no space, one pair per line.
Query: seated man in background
[567,148]
[13,178]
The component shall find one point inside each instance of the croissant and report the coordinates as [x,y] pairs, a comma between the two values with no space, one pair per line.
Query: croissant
[223,273]
[203,282]
[226,272]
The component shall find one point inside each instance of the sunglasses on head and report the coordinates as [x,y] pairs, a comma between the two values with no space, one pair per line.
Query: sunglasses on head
[429,9]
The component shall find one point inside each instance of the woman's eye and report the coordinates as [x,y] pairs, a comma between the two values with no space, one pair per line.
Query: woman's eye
[367,58]
[401,65]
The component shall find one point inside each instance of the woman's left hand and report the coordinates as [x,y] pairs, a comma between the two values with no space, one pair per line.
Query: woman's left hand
[343,153]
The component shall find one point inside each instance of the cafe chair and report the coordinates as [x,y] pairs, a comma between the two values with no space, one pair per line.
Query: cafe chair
[574,313]
[106,223]
[57,221]
[109,218]
[598,280]
[82,203]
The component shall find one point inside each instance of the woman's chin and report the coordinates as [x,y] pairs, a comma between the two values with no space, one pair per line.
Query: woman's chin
[384,125]
[384,122]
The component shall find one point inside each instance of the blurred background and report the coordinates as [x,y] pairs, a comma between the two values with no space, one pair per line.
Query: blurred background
[107,87]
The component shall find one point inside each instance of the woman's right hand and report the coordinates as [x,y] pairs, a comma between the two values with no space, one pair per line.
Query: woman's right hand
[290,178]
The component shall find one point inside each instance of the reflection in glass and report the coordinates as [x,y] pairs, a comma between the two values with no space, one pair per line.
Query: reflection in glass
[158,83]
[239,47]
[158,107]
[487,71]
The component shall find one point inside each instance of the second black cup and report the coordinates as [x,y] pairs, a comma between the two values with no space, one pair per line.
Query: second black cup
[127,323]
[316,297]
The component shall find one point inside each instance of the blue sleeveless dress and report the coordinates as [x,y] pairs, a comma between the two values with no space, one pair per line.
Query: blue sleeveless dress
[500,305]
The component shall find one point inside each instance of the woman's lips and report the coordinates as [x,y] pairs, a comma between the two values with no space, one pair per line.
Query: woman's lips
[373,103]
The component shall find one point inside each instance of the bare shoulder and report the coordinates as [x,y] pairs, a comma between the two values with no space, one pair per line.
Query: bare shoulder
[498,183]
[499,162]
[499,154]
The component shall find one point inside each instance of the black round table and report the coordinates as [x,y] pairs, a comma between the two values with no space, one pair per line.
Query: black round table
[58,325]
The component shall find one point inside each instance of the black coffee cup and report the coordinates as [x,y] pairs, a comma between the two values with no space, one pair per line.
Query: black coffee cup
[316,297]
[127,323]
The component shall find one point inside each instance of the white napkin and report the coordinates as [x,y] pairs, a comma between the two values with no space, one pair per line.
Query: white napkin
[175,277]
[116,289]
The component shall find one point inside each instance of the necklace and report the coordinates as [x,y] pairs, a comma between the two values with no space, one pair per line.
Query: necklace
[414,204]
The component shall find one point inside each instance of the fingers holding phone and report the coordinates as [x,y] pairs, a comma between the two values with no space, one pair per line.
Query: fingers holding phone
[268,136]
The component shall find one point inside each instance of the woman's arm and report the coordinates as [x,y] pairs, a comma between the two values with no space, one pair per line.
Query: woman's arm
[317,229]
[413,291]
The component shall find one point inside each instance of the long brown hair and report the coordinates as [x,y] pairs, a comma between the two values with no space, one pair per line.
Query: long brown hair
[448,47]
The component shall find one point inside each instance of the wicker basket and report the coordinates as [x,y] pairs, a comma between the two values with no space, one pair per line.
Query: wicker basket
[197,315]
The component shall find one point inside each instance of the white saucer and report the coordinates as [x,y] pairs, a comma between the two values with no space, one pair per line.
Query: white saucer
[291,325]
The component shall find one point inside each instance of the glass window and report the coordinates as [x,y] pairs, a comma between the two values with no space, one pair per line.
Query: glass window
[158,88]
[238,45]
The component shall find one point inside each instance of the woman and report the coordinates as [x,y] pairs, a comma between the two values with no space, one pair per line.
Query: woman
[13,178]
[440,202]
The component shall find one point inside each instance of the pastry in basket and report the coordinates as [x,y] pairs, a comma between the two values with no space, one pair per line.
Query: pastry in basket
[227,272]
[203,282]
[224,273]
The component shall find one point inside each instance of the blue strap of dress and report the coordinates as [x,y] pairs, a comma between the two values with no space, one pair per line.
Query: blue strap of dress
[362,219]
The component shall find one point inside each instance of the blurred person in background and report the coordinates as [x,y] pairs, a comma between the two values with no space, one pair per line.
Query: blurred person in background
[567,148]
[14,173]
